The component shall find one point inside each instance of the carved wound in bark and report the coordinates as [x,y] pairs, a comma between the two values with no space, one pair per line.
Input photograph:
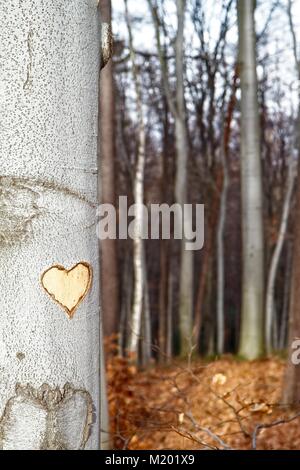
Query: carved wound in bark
[68,287]
[46,419]
[106,43]
[18,208]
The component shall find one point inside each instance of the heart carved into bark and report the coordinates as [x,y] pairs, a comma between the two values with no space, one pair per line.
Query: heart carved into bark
[68,287]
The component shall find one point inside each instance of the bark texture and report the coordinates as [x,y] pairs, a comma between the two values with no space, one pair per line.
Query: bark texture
[178,109]
[181,193]
[252,327]
[270,304]
[49,60]
[291,391]
[109,254]
[138,245]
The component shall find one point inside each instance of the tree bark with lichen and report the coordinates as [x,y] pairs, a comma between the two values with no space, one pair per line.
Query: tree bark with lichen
[49,336]
[252,321]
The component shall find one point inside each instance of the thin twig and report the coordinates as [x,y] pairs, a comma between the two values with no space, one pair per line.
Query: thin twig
[259,427]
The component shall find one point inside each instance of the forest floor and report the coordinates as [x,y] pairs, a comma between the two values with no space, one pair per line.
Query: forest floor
[226,403]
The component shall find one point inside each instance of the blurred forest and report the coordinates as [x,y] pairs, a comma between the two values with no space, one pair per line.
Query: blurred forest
[200,104]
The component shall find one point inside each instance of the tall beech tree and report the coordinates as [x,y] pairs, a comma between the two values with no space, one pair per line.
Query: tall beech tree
[50,331]
[252,332]
[109,247]
[291,391]
[139,268]
[177,107]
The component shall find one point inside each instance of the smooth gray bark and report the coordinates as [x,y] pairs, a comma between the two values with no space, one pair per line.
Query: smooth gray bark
[252,326]
[178,110]
[49,351]
[138,245]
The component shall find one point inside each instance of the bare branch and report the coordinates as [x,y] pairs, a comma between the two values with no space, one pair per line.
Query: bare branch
[162,59]
[259,427]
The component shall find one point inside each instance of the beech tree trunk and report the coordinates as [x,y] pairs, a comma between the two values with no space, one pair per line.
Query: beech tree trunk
[270,304]
[221,259]
[252,327]
[178,109]
[146,321]
[181,193]
[286,297]
[109,248]
[50,331]
[164,252]
[291,390]
[138,245]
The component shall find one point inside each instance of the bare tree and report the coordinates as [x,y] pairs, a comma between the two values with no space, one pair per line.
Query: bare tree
[178,110]
[270,307]
[109,248]
[50,315]
[138,248]
[226,133]
[251,341]
[291,392]
[210,95]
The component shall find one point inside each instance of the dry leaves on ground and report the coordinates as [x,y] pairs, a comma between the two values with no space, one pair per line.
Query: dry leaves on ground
[205,406]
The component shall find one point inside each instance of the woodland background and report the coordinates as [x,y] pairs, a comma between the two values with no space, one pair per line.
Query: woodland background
[200,104]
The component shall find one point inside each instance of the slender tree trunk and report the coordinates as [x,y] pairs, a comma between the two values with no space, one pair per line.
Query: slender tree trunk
[286,296]
[182,151]
[275,328]
[146,330]
[221,259]
[291,391]
[209,312]
[186,257]
[50,336]
[109,248]
[252,326]
[138,288]
[127,282]
[138,246]
[222,217]
[164,246]
[270,307]
[163,300]
[169,342]
[207,253]
[177,108]
[105,437]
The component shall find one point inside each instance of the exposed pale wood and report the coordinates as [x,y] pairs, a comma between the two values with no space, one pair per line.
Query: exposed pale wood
[68,287]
